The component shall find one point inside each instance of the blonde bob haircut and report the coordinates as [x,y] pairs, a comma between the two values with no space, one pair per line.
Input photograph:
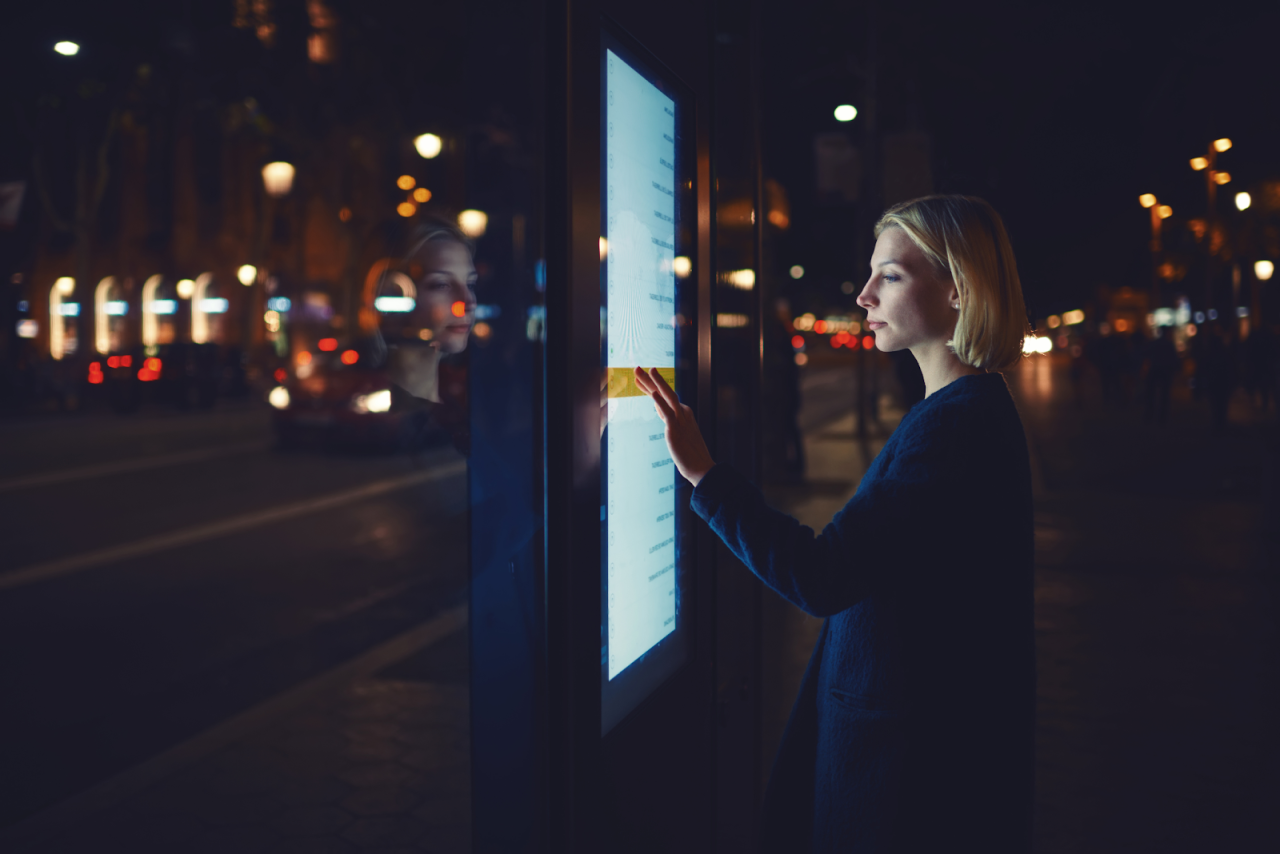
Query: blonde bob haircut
[966,242]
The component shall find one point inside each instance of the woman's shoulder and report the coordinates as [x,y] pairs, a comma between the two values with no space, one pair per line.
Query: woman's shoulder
[972,409]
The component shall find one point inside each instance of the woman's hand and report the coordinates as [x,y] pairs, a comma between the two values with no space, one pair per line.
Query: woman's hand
[684,439]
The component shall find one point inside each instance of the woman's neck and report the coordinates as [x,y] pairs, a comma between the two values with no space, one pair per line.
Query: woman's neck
[940,367]
[417,371]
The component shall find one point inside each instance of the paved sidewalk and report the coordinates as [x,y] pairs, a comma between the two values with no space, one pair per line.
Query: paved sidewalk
[1156,617]
[379,763]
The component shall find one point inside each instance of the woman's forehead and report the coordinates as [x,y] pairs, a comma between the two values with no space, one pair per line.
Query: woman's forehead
[895,246]
[441,256]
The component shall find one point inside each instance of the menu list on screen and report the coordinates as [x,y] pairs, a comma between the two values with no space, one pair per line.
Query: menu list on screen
[640,188]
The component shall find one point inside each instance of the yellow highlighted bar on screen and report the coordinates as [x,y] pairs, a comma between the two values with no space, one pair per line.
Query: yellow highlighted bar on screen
[622,381]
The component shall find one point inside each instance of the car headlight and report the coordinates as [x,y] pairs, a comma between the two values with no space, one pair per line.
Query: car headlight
[374,401]
[279,397]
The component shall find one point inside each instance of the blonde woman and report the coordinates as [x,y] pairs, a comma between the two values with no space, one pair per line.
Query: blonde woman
[914,727]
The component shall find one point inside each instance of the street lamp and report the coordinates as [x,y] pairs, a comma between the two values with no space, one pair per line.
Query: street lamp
[1243,200]
[846,113]
[428,145]
[277,178]
[1212,180]
[67,48]
[1263,270]
[1158,212]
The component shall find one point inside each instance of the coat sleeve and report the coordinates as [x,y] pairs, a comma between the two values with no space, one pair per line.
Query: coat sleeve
[880,538]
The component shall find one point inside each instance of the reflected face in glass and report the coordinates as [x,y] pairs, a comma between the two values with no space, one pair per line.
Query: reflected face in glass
[446,300]
[908,303]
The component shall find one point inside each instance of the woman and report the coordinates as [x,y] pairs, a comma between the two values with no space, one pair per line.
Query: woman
[914,726]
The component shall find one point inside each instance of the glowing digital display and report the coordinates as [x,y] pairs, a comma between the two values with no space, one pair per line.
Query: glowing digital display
[638,251]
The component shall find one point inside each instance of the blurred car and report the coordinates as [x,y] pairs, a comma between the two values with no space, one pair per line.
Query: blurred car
[336,399]
[177,374]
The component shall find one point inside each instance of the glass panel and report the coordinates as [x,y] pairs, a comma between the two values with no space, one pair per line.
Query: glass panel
[272,479]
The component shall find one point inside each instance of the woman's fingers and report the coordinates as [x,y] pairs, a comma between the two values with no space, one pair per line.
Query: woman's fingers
[664,398]
[660,384]
[642,380]
[664,409]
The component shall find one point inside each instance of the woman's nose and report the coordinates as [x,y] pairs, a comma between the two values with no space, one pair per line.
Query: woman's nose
[867,298]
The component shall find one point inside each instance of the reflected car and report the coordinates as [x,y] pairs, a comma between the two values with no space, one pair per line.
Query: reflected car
[336,400]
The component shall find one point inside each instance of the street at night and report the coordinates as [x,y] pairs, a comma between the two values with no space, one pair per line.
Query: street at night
[166,572]
[610,427]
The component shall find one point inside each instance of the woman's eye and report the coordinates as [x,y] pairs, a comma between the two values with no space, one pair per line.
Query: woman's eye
[890,277]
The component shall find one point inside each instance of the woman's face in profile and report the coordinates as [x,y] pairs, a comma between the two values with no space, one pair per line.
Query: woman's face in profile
[906,301]
[446,302]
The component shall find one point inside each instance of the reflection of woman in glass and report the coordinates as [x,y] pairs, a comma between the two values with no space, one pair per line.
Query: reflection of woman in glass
[429,383]
[915,724]
[423,377]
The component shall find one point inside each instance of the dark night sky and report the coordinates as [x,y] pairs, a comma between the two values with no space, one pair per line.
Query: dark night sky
[1058,114]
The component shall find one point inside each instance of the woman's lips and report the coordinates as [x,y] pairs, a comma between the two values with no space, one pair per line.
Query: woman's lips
[873,325]
[458,327]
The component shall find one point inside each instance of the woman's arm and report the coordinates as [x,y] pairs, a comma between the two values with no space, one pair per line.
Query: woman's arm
[881,531]
[871,543]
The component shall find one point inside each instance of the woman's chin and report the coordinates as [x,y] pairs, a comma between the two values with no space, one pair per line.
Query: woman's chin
[451,343]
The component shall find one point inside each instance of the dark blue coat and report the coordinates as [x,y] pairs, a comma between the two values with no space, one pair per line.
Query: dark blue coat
[914,728]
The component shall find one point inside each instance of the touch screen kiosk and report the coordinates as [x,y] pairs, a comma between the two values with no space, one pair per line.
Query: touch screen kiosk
[648,231]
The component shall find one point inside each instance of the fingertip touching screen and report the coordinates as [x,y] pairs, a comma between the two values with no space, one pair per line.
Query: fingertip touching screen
[647,298]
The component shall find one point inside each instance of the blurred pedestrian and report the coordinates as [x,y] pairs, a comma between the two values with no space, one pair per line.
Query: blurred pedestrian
[914,729]
[1215,372]
[1079,365]
[1260,355]
[1103,352]
[1163,364]
[782,392]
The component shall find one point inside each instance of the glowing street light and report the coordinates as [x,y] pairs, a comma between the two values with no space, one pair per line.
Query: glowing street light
[1221,145]
[1243,200]
[1199,163]
[277,178]
[1146,200]
[1164,211]
[428,145]
[1221,178]
[246,274]
[186,288]
[846,113]
[1263,270]
[67,48]
[797,271]
[473,223]
[406,182]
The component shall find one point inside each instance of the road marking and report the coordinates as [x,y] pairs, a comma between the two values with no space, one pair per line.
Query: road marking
[123,466]
[236,524]
[110,793]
